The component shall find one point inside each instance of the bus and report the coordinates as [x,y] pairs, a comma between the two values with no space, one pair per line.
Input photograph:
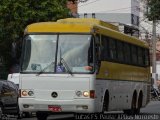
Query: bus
[82,65]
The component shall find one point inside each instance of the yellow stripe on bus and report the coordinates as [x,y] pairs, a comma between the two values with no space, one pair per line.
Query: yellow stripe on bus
[116,71]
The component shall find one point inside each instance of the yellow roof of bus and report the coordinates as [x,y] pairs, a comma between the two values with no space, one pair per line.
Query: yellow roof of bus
[68,25]
[82,25]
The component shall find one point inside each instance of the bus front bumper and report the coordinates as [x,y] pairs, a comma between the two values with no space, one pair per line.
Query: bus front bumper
[76,105]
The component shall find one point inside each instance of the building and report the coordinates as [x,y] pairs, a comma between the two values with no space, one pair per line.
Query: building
[124,12]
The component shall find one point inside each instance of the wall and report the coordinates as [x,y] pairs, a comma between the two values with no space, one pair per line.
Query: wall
[123,11]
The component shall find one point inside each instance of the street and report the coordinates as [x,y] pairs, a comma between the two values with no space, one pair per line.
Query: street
[150,112]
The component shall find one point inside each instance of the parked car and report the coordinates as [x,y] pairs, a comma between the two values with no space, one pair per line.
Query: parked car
[9,98]
[14,77]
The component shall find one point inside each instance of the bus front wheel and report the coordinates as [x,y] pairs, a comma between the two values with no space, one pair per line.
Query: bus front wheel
[41,115]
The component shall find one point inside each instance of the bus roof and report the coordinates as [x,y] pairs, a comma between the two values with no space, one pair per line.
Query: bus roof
[69,25]
[88,21]
[82,25]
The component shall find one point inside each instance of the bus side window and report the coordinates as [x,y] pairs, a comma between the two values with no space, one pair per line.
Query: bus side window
[104,48]
[97,52]
[127,53]
[120,51]
[140,56]
[97,47]
[112,49]
[134,55]
[146,58]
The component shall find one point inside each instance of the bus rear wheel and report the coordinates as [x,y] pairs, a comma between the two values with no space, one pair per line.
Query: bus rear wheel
[105,103]
[133,109]
[41,115]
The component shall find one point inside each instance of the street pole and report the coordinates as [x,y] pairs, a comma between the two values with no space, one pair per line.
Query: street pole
[154,70]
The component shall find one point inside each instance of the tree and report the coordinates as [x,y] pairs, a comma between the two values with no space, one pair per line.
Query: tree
[153,9]
[17,14]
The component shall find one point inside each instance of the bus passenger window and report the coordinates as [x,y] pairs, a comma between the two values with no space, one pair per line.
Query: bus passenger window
[112,49]
[146,57]
[104,48]
[120,51]
[127,53]
[134,54]
[90,53]
[97,53]
[140,57]
[97,47]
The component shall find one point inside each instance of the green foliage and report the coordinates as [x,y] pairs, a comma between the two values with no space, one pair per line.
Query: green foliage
[17,14]
[154,9]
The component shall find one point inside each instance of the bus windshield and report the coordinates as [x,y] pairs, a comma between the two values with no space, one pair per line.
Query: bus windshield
[58,53]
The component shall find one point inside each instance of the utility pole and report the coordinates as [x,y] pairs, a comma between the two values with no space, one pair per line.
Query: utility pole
[154,70]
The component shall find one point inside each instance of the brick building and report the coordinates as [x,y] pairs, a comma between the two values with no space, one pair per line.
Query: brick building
[73,6]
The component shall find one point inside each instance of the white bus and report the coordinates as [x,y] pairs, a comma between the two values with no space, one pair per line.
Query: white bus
[82,65]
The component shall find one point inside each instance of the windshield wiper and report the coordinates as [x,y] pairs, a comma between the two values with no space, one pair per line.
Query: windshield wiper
[44,69]
[62,61]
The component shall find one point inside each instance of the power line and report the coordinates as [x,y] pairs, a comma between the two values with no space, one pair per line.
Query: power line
[118,9]
[88,3]
[139,7]
[134,7]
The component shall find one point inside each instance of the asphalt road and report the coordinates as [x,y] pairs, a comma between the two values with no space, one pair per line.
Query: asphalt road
[150,112]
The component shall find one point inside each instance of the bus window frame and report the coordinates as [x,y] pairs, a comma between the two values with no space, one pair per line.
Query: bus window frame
[97,52]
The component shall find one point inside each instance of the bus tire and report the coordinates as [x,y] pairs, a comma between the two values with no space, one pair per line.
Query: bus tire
[105,102]
[27,114]
[133,109]
[140,100]
[41,115]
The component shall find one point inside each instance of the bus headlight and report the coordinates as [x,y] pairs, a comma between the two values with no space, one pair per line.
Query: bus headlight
[86,94]
[30,93]
[79,93]
[24,93]
[27,93]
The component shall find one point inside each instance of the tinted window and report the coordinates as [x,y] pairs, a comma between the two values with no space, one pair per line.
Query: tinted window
[127,53]
[104,48]
[140,56]
[120,52]
[134,54]
[112,49]
[146,57]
